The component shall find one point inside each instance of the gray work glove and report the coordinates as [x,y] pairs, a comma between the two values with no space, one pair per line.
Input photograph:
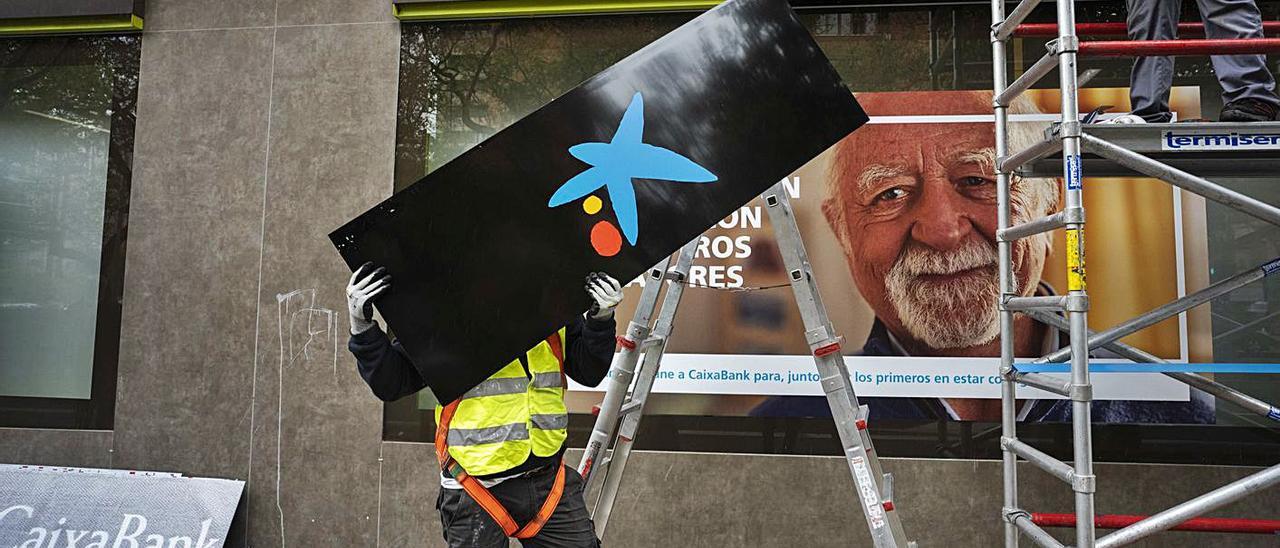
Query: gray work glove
[605,293]
[367,284]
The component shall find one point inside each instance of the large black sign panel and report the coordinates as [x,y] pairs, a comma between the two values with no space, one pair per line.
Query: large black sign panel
[489,252]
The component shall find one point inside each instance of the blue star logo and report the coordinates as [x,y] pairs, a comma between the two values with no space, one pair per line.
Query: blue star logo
[615,164]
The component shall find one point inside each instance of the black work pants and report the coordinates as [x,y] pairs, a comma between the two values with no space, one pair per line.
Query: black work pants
[467,525]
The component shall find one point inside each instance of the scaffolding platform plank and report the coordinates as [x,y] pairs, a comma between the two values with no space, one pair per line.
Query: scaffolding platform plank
[1208,149]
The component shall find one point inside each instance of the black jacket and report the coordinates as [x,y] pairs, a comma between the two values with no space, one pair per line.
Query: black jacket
[386,368]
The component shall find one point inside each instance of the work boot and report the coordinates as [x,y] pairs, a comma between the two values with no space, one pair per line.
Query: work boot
[1248,110]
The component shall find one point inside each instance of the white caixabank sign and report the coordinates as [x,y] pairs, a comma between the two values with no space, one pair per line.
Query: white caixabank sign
[43,507]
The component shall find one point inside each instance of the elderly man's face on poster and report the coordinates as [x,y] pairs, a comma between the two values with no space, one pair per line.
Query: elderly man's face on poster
[914,208]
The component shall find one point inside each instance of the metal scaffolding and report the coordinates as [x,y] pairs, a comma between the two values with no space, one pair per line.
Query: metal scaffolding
[1114,144]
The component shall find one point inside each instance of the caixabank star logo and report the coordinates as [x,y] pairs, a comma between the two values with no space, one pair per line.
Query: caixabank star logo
[615,166]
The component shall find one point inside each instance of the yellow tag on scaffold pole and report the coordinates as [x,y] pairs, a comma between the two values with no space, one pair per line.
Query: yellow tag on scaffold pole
[1075,259]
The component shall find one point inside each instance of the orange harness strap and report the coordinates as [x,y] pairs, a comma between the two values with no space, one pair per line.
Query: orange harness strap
[477,491]
[558,351]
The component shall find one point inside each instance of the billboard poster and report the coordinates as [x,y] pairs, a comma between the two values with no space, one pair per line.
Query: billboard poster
[899,222]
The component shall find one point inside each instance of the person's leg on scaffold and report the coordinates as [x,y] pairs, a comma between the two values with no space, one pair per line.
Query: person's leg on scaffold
[1152,77]
[1248,88]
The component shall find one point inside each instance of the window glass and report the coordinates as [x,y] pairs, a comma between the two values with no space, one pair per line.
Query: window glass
[66,109]
[1246,322]
[460,82]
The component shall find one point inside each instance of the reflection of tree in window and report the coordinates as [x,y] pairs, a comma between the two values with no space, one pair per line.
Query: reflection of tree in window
[462,82]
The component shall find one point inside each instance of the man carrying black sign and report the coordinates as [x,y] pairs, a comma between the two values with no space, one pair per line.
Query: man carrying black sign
[501,444]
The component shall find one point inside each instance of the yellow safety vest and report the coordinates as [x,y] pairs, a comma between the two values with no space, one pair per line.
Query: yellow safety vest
[512,414]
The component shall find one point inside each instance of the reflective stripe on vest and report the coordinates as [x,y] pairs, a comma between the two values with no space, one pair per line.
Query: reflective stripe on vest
[550,422]
[497,387]
[459,437]
[548,380]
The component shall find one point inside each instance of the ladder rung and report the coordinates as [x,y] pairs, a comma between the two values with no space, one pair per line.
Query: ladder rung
[1015,18]
[1054,467]
[1044,382]
[1053,302]
[1007,164]
[1029,78]
[1043,224]
[629,408]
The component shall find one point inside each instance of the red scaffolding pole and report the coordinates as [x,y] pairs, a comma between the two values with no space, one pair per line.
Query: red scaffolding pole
[1207,525]
[1118,29]
[1145,48]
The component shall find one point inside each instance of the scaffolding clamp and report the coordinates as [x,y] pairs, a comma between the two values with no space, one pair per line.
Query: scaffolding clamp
[1064,44]
[1084,483]
[1068,129]
[1012,514]
[1014,303]
[1073,215]
[1081,392]
[1076,303]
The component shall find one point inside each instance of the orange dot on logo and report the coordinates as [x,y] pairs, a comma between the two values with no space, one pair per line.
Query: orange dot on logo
[606,239]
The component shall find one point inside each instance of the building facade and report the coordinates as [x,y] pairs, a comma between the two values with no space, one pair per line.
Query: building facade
[209,156]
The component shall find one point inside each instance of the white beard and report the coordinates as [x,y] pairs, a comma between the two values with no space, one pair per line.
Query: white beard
[954,314]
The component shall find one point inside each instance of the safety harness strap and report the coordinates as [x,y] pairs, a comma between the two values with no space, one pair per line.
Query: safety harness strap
[548,507]
[558,351]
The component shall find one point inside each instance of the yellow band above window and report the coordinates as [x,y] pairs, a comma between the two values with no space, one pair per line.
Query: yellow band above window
[489,9]
[70,25]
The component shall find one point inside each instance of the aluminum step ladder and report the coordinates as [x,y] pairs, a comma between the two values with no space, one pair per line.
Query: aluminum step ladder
[628,387]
